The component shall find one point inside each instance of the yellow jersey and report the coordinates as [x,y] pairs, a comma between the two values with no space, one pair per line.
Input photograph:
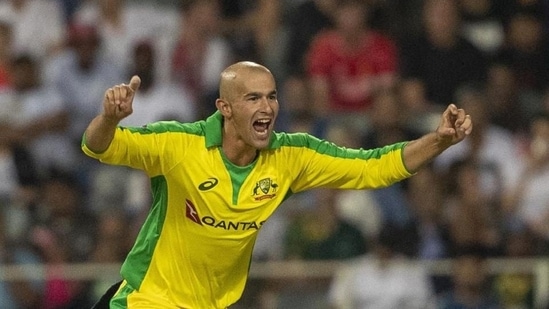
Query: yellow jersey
[194,249]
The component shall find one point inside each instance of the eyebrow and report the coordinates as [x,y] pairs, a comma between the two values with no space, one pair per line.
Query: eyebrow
[259,94]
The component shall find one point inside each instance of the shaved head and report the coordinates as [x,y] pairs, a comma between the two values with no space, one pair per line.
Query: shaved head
[231,78]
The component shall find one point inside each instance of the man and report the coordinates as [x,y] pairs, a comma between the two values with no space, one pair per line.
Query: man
[216,181]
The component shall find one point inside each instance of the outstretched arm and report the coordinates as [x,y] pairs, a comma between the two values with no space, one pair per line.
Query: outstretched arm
[454,126]
[117,105]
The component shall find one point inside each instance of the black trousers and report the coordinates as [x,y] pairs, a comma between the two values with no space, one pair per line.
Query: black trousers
[103,302]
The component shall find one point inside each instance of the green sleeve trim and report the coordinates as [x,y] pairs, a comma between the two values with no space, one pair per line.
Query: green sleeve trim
[86,149]
[402,158]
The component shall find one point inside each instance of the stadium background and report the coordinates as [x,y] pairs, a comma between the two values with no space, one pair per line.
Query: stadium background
[471,228]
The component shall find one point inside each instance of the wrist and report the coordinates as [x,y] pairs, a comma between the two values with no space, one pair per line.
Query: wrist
[440,143]
[110,121]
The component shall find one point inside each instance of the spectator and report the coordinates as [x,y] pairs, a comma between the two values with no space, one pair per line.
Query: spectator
[348,65]
[361,208]
[435,64]
[113,242]
[64,233]
[177,104]
[21,293]
[398,19]
[507,108]
[493,149]
[389,121]
[526,52]
[425,194]
[428,212]
[471,283]
[18,190]
[6,39]
[482,25]
[516,289]
[389,124]
[82,65]
[318,234]
[304,22]
[37,118]
[18,176]
[132,197]
[308,19]
[472,214]
[528,201]
[250,27]
[38,26]
[200,53]
[123,23]
[382,279]
[322,234]
[509,7]
[69,7]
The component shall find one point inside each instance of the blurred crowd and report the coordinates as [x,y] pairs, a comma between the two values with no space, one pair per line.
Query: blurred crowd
[359,73]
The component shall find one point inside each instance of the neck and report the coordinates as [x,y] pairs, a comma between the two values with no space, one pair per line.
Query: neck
[237,151]
[239,157]
[443,40]
[354,39]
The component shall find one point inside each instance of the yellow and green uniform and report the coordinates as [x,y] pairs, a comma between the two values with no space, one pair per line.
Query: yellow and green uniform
[195,247]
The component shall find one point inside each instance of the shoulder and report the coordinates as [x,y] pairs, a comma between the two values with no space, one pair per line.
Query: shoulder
[326,37]
[172,126]
[304,140]
[380,38]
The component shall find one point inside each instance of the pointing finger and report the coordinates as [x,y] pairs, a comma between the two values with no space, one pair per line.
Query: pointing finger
[135,82]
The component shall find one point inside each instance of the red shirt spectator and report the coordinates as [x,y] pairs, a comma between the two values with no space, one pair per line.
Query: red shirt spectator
[351,73]
[349,64]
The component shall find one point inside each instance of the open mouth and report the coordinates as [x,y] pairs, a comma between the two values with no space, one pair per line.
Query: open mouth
[261,126]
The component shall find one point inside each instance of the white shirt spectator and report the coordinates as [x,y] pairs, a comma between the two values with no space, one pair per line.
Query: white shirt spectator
[38,27]
[534,205]
[366,284]
[139,22]
[498,151]
[82,91]
[53,149]
[164,101]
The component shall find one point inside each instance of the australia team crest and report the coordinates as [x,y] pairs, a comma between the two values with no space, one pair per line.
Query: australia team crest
[264,189]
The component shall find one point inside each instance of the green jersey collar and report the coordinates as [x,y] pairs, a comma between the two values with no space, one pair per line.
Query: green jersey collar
[214,132]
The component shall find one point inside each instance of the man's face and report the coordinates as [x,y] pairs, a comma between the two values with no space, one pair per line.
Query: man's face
[24,76]
[253,108]
[350,18]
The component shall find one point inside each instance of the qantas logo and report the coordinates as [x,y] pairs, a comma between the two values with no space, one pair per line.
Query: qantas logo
[191,212]
[192,215]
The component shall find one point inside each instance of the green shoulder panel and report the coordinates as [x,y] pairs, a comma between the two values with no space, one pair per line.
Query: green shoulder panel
[328,148]
[196,128]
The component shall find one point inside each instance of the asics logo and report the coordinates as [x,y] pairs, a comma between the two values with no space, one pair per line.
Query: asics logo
[208,184]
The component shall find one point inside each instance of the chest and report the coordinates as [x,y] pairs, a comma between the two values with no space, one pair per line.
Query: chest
[218,194]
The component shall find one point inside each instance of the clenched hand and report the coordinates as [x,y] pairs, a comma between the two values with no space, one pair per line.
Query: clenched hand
[118,100]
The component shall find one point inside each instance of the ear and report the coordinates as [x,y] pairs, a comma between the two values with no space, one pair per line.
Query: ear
[224,107]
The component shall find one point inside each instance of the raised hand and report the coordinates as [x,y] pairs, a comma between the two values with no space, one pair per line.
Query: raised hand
[454,125]
[118,100]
